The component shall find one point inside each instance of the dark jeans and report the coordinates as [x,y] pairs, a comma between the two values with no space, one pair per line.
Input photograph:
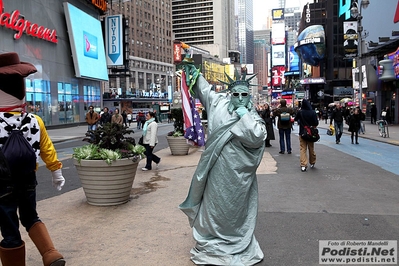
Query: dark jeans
[150,156]
[285,133]
[22,197]
[339,128]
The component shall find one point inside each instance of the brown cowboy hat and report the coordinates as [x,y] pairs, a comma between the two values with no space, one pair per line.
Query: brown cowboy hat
[10,65]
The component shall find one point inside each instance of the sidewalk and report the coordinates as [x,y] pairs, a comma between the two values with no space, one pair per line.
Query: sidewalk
[371,132]
[149,229]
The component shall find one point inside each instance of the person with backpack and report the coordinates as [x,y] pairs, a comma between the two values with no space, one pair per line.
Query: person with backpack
[306,116]
[23,138]
[284,125]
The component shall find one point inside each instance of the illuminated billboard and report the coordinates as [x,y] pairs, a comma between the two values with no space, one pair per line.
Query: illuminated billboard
[87,44]
[278,55]
[278,33]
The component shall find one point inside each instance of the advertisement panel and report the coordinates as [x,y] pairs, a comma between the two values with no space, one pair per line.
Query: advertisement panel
[278,52]
[278,14]
[278,76]
[278,33]
[87,44]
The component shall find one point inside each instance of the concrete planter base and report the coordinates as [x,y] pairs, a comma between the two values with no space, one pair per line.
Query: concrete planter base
[178,145]
[106,185]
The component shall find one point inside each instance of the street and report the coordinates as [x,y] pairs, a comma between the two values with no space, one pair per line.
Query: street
[350,195]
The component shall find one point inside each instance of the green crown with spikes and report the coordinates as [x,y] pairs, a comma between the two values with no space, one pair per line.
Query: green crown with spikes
[238,80]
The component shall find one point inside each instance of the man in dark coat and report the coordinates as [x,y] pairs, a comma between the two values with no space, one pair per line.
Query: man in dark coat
[306,117]
[338,115]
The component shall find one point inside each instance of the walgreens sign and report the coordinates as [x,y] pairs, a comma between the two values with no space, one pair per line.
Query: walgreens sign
[19,24]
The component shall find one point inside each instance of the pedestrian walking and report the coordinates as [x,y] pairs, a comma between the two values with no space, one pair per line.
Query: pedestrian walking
[129,118]
[92,118]
[116,117]
[18,187]
[222,202]
[306,117]
[138,120]
[338,116]
[388,116]
[354,121]
[142,119]
[150,140]
[265,113]
[284,125]
[373,113]
[124,117]
[105,117]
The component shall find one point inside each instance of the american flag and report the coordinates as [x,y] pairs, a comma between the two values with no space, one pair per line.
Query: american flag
[193,130]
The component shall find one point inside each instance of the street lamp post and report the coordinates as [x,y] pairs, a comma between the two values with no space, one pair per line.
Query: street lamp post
[356,12]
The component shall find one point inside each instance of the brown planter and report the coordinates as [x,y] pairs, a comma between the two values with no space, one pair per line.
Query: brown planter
[178,145]
[106,185]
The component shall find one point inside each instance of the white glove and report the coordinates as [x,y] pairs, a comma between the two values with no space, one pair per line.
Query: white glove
[58,179]
[241,111]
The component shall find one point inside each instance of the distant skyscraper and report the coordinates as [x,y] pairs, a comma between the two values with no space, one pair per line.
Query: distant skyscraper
[205,24]
[245,30]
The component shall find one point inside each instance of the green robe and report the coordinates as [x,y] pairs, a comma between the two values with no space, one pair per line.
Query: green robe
[222,202]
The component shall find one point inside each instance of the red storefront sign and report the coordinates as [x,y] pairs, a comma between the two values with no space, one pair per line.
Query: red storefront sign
[176,52]
[13,21]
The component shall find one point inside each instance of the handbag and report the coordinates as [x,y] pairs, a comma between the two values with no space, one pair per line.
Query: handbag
[141,140]
[310,133]
[331,130]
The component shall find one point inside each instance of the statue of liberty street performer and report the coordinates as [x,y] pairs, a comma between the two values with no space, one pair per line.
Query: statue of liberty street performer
[222,201]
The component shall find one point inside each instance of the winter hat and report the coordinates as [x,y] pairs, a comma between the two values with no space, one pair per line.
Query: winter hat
[12,74]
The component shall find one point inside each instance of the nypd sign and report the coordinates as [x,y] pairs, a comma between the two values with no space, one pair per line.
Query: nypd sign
[114,40]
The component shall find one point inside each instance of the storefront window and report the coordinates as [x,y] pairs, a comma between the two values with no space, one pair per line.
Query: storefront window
[68,103]
[91,96]
[38,99]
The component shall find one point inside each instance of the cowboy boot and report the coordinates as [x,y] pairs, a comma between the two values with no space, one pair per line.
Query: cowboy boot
[40,236]
[13,256]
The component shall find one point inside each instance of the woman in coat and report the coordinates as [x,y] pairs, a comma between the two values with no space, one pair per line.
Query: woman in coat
[354,124]
[150,140]
[265,114]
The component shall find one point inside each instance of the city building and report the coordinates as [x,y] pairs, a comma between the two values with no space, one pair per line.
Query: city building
[245,33]
[147,74]
[208,25]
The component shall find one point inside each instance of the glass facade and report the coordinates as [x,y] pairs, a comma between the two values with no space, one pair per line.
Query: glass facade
[53,92]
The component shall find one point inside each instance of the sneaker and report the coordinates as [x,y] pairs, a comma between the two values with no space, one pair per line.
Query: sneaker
[281,152]
[144,169]
[312,165]
[158,163]
[337,142]
[303,168]
[289,152]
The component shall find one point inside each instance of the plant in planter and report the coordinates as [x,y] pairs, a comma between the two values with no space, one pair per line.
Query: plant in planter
[109,143]
[107,166]
[177,143]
